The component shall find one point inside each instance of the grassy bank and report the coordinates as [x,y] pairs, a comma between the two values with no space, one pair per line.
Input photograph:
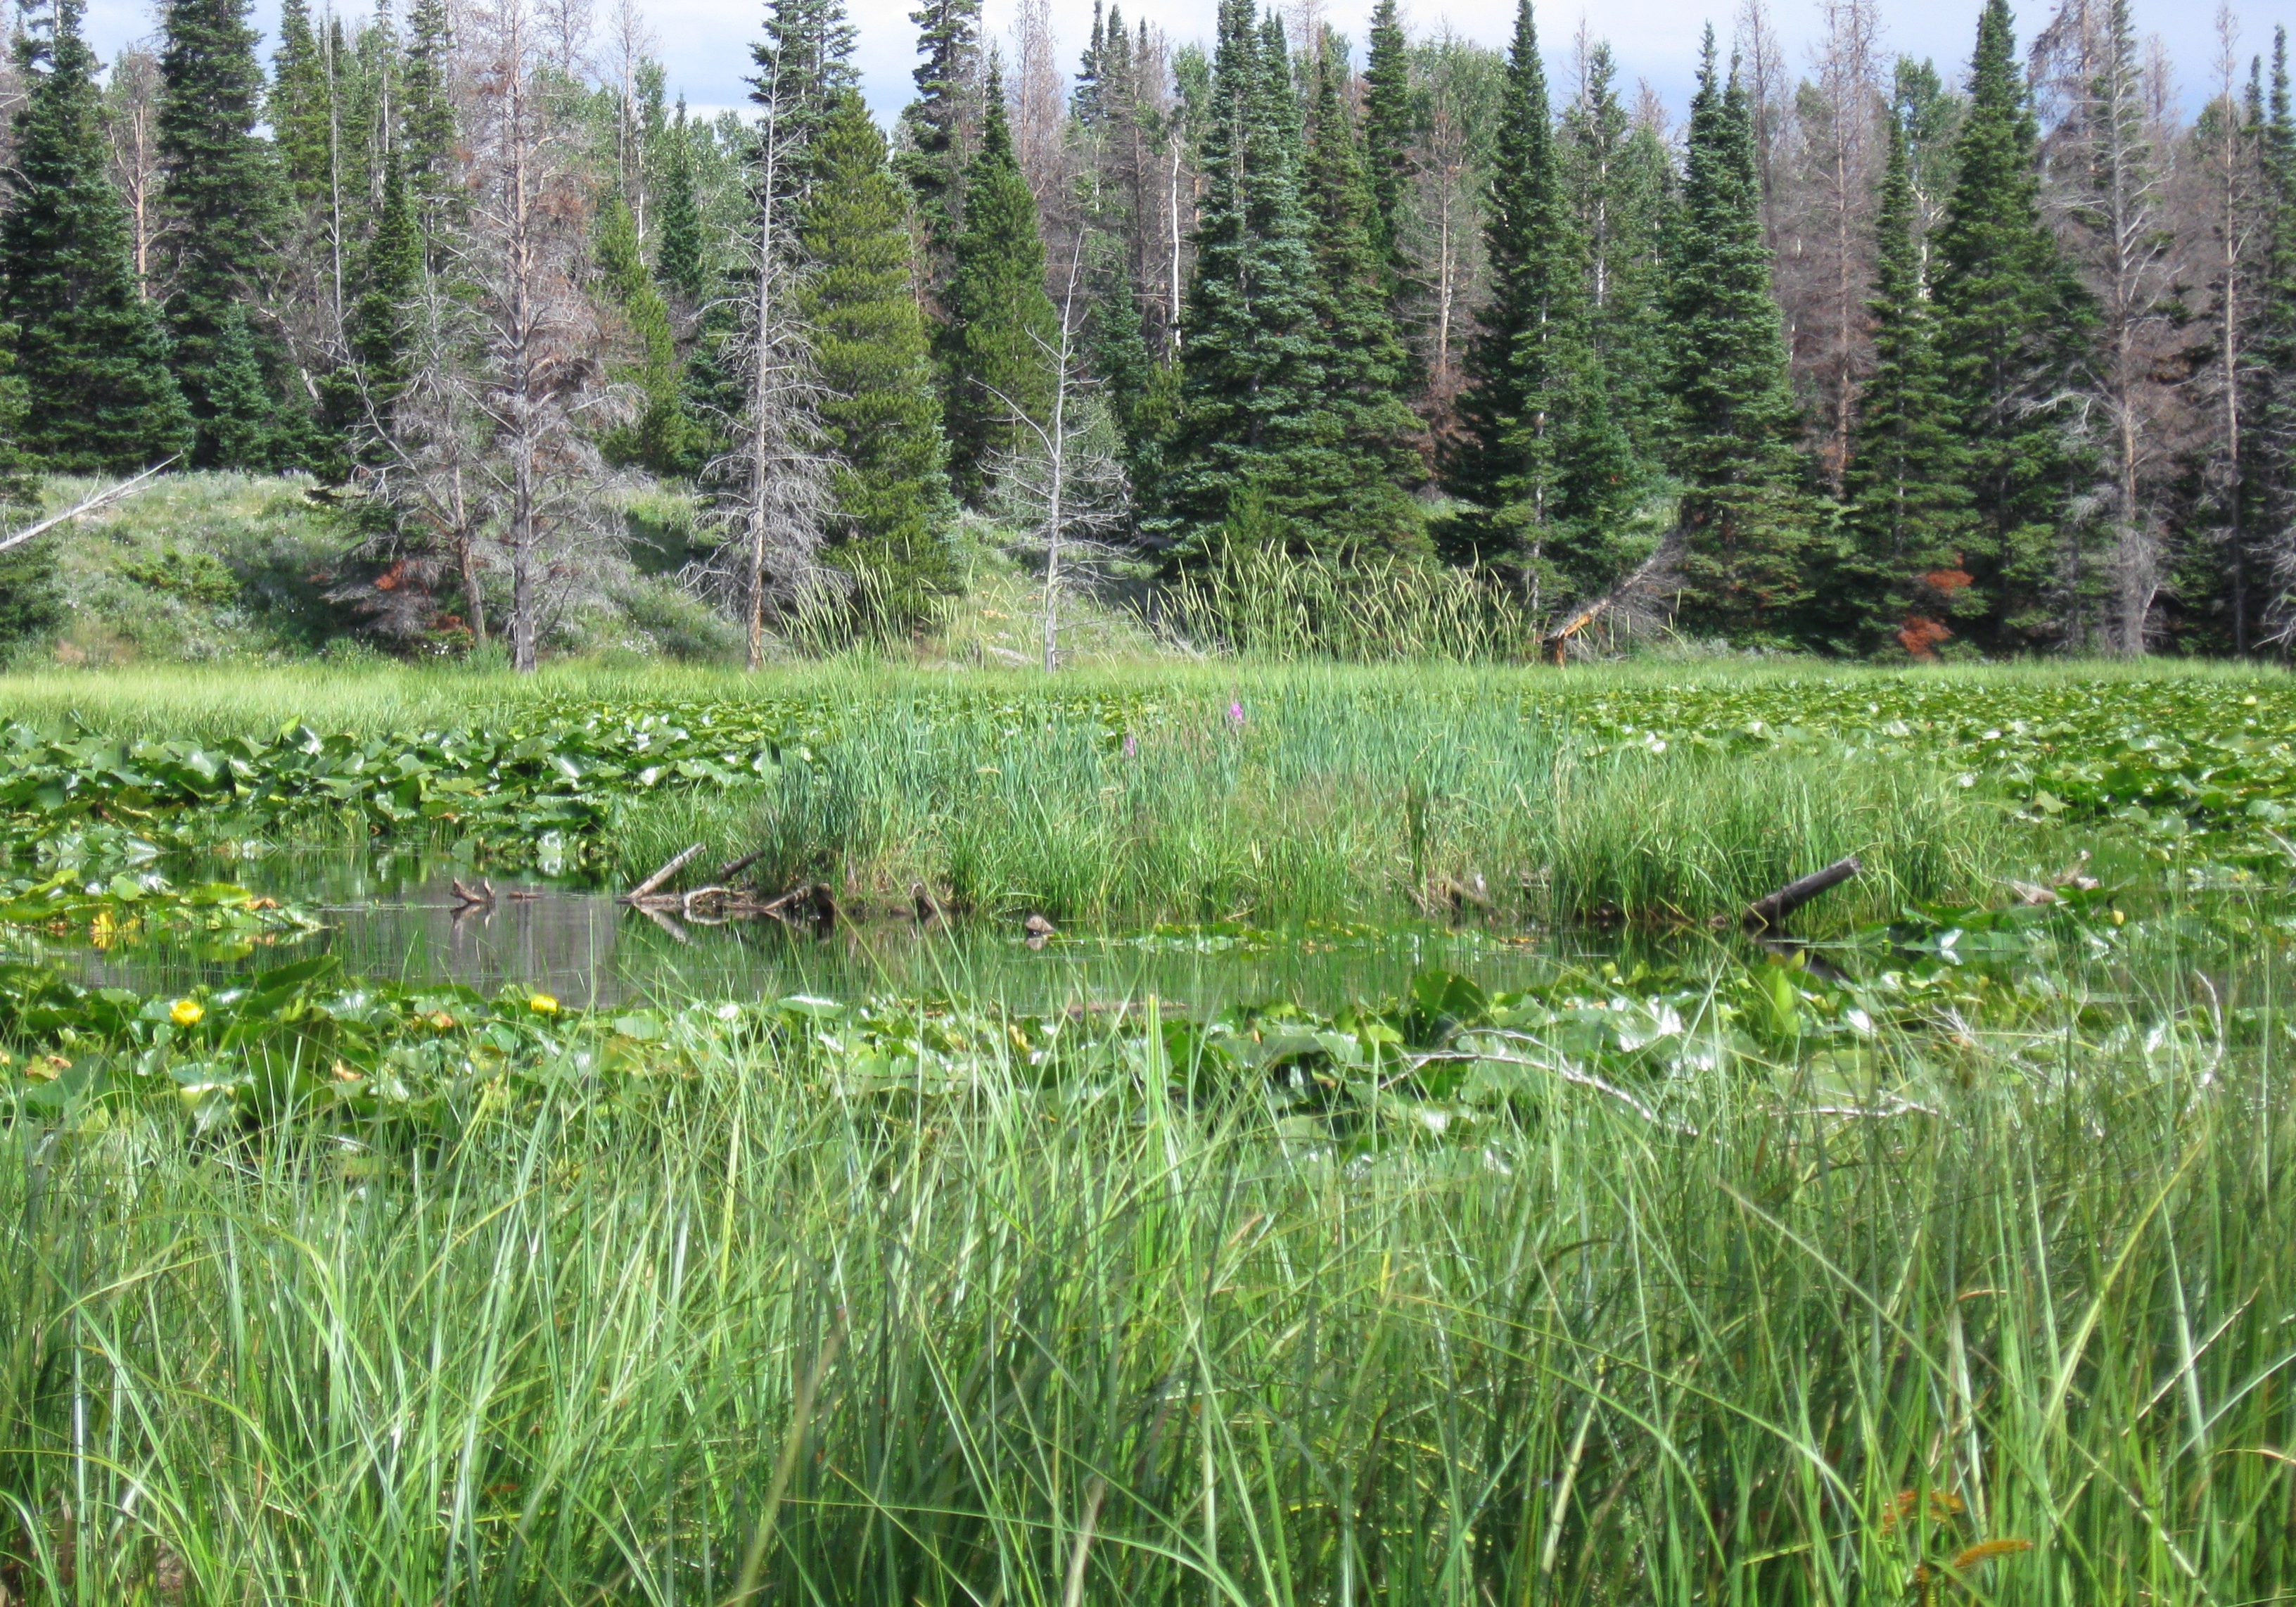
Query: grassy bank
[1996,1314]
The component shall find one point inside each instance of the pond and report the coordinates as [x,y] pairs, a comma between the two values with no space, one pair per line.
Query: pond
[394,916]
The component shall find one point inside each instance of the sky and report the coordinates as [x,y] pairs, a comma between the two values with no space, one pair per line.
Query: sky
[704,44]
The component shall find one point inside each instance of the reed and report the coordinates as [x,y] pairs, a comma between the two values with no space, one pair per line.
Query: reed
[2001,1320]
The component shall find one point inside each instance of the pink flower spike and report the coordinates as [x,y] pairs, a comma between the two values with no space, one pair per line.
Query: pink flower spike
[1235,712]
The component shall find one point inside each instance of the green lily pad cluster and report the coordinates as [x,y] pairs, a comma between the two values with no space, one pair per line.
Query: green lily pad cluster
[303,1041]
[2168,758]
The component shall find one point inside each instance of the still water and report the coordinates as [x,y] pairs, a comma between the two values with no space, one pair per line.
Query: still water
[396,914]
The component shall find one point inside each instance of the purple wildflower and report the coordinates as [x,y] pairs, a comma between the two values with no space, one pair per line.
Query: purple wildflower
[1131,745]
[1235,712]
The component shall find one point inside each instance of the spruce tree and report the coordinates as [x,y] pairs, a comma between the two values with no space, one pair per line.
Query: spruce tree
[1620,183]
[1909,520]
[221,203]
[997,347]
[2010,319]
[680,262]
[1390,132]
[660,438]
[426,117]
[807,56]
[1367,370]
[932,158]
[1744,519]
[89,352]
[880,415]
[1253,435]
[1547,469]
[299,108]
[382,328]
[2270,493]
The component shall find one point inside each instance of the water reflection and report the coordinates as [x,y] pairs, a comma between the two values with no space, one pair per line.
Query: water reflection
[397,914]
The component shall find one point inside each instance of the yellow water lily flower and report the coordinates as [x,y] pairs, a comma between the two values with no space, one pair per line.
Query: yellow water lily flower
[542,1004]
[186,1013]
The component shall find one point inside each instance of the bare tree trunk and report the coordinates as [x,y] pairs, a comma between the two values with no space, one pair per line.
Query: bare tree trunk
[132,94]
[474,596]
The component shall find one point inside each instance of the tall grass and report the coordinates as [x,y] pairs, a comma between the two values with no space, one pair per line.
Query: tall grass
[2017,1333]
[1331,802]
[1266,604]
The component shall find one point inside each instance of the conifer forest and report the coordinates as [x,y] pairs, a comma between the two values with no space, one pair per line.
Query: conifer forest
[1882,358]
[1270,820]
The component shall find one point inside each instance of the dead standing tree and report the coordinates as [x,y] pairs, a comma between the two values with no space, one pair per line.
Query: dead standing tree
[774,481]
[2107,165]
[535,373]
[1065,480]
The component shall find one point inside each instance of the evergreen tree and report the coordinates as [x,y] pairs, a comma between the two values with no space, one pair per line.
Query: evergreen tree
[2009,319]
[2270,494]
[1116,354]
[1389,133]
[881,416]
[426,117]
[383,327]
[299,106]
[679,259]
[1620,183]
[1002,329]
[88,349]
[1545,465]
[660,438]
[1745,519]
[1908,518]
[222,205]
[930,162]
[807,56]
[1365,368]
[1253,433]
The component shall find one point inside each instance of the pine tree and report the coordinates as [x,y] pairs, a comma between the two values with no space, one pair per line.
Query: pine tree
[1908,518]
[1619,178]
[881,416]
[2009,319]
[1367,370]
[87,346]
[660,438]
[222,203]
[1545,467]
[932,157]
[1253,433]
[1002,330]
[679,259]
[298,107]
[1745,519]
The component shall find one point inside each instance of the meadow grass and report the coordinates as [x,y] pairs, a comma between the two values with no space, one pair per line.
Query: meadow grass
[2008,1324]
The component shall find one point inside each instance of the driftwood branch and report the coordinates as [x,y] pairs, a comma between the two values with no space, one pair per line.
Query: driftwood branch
[653,881]
[1771,910]
[88,504]
[734,867]
[1638,589]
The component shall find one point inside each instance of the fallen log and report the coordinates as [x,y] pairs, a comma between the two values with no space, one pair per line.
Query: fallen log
[676,864]
[467,897]
[734,867]
[1769,911]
